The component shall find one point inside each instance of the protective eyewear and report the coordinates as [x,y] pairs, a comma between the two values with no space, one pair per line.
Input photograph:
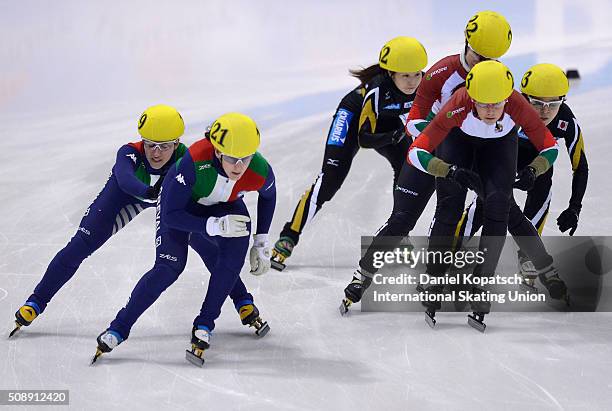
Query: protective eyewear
[235,160]
[490,105]
[165,146]
[540,105]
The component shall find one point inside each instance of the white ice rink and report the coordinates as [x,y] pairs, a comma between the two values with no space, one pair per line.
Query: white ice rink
[76,76]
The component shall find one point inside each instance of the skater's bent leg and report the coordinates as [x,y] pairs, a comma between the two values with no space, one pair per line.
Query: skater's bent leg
[538,201]
[92,234]
[527,238]
[449,207]
[337,162]
[232,253]
[410,197]
[171,257]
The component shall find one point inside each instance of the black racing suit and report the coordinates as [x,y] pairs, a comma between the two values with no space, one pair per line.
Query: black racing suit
[358,122]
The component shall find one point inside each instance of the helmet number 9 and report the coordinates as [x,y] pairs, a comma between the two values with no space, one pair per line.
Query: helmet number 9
[142,121]
[384,53]
[218,134]
[471,27]
[468,80]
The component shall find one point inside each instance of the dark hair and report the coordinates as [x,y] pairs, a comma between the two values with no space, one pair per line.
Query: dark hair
[365,75]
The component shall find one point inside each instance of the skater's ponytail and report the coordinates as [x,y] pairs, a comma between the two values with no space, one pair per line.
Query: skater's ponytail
[365,75]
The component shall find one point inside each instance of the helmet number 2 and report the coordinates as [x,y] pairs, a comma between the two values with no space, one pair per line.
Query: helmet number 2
[384,53]
[218,134]
[471,27]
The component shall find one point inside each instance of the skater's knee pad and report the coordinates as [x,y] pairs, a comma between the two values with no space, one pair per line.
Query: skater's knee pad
[497,206]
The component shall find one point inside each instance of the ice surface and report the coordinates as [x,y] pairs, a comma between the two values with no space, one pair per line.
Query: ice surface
[75,77]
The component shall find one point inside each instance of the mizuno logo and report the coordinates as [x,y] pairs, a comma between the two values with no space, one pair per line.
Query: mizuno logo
[180,179]
[333,162]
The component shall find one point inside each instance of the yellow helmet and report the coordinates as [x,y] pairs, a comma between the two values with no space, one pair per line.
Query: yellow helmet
[488,34]
[545,80]
[235,135]
[161,123]
[489,82]
[403,55]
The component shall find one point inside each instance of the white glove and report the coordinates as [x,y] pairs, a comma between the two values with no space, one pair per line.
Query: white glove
[259,255]
[231,225]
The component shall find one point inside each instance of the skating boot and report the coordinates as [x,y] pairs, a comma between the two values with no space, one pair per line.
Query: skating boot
[528,273]
[25,315]
[479,310]
[200,341]
[354,291]
[281,251]
[249,315]
[107,341]
[431,306]
[556,287]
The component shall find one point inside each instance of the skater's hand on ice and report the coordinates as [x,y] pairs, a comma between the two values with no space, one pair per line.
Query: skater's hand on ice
[568,219]
[525,179]
[467,179]
[231,225]
[259,255]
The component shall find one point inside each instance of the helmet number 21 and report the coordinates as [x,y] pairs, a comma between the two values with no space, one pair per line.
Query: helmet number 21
[218,134]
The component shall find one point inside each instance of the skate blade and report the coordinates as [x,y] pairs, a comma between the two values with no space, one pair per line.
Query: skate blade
[262,330]
[344,307]
[277,265]
[195,359]
[430,320]
[96,356]
[15,330]
[474,323]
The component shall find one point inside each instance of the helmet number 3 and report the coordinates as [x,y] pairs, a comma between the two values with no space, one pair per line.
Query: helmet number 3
[218,134]
[525,80]
[384,53]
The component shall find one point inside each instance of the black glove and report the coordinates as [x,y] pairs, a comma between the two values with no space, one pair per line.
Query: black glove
[525,179]
[568,219]
[153,192]
[467,179]
[398,135]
